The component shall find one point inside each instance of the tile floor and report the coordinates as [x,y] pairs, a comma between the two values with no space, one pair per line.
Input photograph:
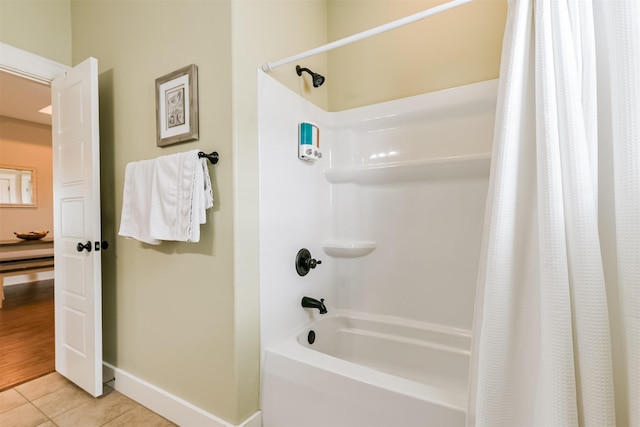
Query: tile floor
[52,400]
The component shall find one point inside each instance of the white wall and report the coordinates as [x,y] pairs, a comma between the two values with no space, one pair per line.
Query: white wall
[294,206]
[408,176]
[40,27]
[27,144]
[411,175]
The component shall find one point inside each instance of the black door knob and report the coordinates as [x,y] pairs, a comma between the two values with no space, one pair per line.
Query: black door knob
[98,245]
[80,247]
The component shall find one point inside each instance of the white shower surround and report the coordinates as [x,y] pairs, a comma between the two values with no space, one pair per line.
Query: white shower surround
[397,201]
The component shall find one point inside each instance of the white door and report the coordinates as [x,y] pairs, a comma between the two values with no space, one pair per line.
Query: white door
[77,227]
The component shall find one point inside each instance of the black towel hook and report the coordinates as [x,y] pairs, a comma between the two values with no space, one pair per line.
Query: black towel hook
[213,157]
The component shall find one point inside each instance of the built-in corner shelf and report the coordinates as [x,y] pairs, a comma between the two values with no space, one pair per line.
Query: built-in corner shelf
[469,166]
[348,248]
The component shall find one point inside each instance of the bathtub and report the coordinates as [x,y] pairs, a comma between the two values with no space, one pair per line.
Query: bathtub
[365,370]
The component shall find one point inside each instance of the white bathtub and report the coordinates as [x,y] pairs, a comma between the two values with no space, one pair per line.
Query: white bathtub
[367,371]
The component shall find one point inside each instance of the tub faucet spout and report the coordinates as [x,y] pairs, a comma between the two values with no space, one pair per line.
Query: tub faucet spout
[314,303]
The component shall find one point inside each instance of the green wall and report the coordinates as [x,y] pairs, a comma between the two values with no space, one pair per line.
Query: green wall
[42,27]
[168,309]
[185,317]
[262,31]
[456,47]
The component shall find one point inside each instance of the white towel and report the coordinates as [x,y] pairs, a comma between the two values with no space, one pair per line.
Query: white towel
[136,201]
[172,203]
[180,194]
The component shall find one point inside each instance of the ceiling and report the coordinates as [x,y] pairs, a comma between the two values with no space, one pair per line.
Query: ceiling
[21,98]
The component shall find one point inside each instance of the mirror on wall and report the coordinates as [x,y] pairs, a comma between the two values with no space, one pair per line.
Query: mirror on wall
[17,187]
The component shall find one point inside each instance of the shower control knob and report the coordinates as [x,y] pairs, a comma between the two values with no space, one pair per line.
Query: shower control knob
[304,262]
[312,263]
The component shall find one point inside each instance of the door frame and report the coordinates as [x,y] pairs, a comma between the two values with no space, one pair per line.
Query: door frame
[30,66]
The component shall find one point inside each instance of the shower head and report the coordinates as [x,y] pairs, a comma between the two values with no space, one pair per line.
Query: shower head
[317,79]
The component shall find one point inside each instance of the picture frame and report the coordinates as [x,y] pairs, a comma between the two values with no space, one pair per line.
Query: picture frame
[177,106]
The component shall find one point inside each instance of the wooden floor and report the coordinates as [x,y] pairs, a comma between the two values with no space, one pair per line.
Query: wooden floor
[27,344]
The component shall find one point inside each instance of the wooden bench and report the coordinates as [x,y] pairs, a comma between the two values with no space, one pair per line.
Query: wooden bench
[27,259]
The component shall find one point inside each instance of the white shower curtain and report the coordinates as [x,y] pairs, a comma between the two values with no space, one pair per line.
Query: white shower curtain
[557,322]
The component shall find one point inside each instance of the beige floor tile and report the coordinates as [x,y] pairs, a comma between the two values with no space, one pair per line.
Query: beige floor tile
[96,412]
[10,399]
[42,386]
[140,417]
[47,424]
[62,400]
[25,415]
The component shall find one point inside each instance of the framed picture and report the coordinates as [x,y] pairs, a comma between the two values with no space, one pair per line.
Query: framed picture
[177,106]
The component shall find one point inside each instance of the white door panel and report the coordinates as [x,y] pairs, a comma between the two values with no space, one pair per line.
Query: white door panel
[78,287]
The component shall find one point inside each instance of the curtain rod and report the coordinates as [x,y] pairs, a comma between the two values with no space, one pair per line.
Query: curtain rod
[365,34]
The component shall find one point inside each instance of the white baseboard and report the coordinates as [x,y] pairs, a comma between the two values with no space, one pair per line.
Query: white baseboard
[167,405]
[254,420]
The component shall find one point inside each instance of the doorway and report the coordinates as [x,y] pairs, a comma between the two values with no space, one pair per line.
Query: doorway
[27,314]
[76,211]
